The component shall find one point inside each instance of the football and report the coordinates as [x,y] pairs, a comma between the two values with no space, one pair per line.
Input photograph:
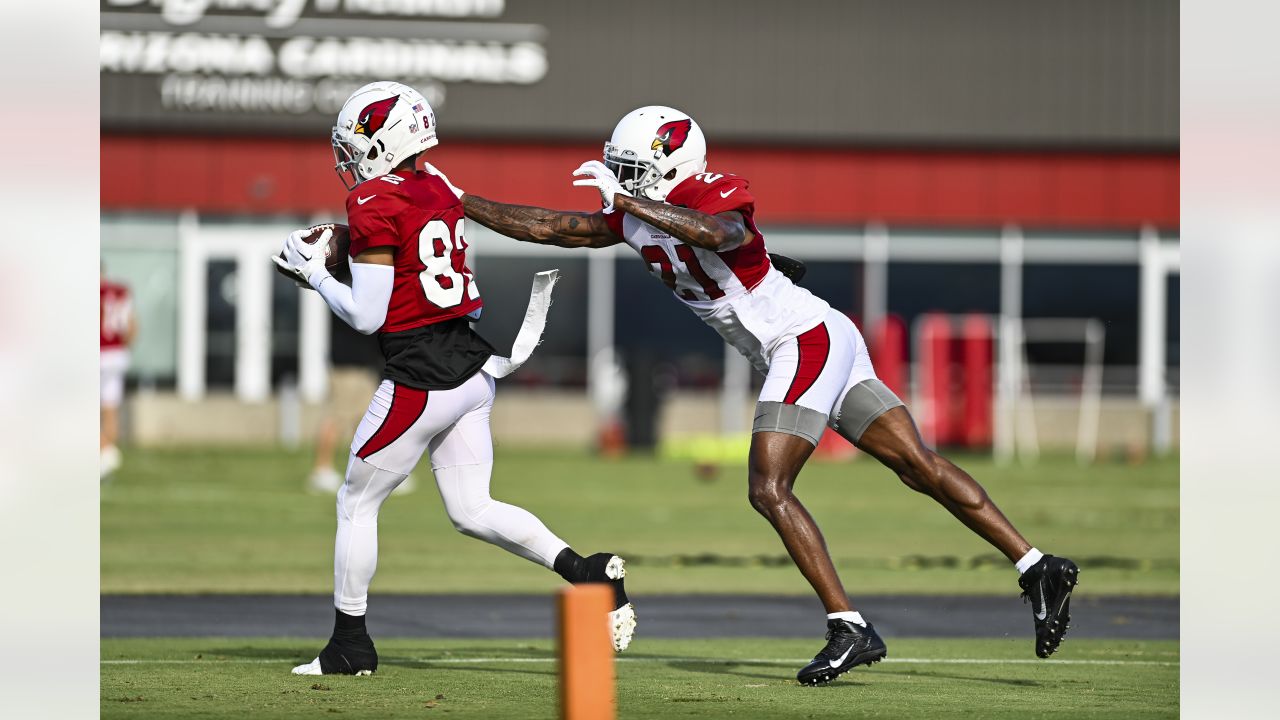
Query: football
[335,254]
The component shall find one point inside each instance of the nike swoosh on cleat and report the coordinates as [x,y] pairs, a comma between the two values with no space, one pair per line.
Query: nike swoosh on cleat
[361,201]
[837,663]
[1043,612]
[727,193]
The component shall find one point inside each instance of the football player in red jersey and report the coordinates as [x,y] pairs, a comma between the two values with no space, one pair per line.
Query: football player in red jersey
[410,284]
[696,232]
[117,327]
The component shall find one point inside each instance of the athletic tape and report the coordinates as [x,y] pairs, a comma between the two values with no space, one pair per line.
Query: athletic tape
[535,320]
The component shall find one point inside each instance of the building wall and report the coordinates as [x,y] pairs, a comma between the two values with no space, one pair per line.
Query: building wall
[795,186]
[840,112]
[1087,73]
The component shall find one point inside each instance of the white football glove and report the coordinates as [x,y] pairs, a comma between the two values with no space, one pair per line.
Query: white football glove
[288,270]
[305,259]
[599,177]
[457,191]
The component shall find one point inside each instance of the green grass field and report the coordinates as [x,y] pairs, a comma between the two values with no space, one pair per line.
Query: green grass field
[240,521]
[497,680]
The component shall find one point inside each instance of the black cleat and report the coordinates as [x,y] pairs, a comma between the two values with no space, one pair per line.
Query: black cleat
[611,569]
[348,655]
[1048,586]
[848,646]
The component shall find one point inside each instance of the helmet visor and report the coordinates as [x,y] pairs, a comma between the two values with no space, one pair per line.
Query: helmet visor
[633,173]
[346,158]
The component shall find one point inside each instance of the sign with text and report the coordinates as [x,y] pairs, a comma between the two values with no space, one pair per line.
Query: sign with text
[290,64]
[821,71]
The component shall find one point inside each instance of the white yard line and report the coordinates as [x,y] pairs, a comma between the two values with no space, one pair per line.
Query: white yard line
[716,661]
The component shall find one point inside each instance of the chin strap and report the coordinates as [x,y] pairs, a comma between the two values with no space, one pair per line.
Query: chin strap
[535,319]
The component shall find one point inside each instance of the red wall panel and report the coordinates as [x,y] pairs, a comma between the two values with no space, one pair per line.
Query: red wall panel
[1020,188]
[794,186]
[960,187]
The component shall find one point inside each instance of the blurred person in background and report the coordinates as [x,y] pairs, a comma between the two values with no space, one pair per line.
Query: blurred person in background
[117,328]
[324,477]
[411,285]
[695,230]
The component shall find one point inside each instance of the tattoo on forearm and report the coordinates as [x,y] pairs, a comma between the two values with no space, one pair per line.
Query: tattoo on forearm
[579,225]
[532,224]
[690,226]
[517,221]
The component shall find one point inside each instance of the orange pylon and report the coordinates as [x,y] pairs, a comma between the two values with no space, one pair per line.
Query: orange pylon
[586,653]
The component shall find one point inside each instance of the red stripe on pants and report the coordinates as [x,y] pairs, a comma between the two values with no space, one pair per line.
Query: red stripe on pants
[407,405]
[814,346]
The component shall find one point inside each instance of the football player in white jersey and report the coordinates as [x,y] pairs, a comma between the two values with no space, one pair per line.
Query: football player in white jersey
[696,232]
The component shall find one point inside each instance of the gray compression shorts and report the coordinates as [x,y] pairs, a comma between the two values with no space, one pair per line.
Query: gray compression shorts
[791,419]
[864,402]
[860,407]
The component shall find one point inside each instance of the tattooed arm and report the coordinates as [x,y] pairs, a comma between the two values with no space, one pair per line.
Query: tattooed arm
[540,225]
[718,233]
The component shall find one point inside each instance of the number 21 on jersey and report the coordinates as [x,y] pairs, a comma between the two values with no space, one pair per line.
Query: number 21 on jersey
[658,259]
[446,281]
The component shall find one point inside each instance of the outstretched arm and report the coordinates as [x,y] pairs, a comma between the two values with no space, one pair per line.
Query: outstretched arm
[540,225]
[717,233]
[533,224]
[720,232]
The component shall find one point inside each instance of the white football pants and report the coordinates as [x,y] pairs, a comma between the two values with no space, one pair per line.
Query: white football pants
[453,426]
[114,363]
[817,368]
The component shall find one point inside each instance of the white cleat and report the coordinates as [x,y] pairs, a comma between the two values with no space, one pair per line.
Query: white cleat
[311,668]
[109,460]
[616,569]
[622,622]
[324,481]
[622,625]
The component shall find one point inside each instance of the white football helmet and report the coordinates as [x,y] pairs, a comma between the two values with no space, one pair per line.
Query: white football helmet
[379,126]
[655,148]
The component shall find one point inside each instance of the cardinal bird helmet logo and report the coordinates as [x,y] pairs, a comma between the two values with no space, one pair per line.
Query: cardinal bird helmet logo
[374,116]
[671,136]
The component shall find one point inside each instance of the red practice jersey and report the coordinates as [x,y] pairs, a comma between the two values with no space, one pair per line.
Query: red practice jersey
[418,215]
[116,308]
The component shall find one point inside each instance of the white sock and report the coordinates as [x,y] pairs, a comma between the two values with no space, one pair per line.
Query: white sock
[851,616]
[1031,558]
